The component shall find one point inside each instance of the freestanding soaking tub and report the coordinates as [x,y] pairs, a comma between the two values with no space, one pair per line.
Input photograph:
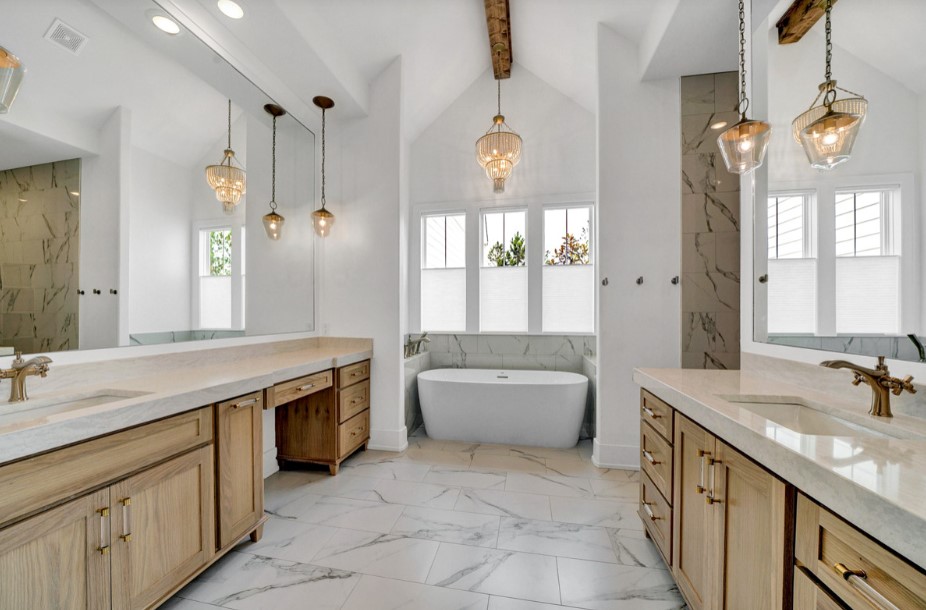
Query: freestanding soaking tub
[539,408]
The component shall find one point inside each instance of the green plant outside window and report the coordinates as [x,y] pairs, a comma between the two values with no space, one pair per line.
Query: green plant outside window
[220,252]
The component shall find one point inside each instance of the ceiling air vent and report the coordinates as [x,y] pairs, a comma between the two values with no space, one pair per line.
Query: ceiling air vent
[64,35]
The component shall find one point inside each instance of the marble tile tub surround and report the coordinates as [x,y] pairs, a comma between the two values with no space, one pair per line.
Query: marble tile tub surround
[413,366]
[876,483]
[446,525]
[169,383]
[39,245]
[710,226]
[549,352]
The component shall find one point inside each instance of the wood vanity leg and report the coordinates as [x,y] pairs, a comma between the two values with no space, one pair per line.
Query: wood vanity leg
[365,445]
[257,533]
[646,533]
[333,469]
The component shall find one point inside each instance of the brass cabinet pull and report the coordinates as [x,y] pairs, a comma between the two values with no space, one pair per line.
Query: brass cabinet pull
[126,519]
[650,412]
[649,457]
[244,403]
[702,455]
[307,386]
[105,535]
[711,499]
[858,579]
[649,512]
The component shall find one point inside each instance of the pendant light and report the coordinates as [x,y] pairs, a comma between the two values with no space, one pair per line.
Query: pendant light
[227,178]
[322,219]
[499,150]
[273,222]
[828,131]
[11,77]
[743,145]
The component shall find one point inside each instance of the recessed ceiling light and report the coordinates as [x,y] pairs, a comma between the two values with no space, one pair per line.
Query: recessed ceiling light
[166,25]
[719,125]
[231,9]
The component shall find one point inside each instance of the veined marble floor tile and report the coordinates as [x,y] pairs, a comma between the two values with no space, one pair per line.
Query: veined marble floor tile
[634,549]
[373,593]
[390,469]
[248,582]
[295,508]
[386,555]
[389,491]
[346,512]
[544,452]
[448,526]
[510,463]
[575,466]
[608,586]
[552,538]
[374,455]
[455,477]
[436,457]
[521,575]
[585,449]
[604,513]
[627,490]
[549,484]
[424,442]
[285,486]
[472,448]
[178,603]
[504,504]
[289,539]
[506,603]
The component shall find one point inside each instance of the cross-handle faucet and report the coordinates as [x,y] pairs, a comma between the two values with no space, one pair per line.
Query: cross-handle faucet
[22,369]
[881,383]
[413,346]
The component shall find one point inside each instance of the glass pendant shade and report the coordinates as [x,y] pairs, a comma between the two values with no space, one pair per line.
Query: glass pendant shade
[273,225]
[322,221]
[827,133]
[12,71]
[498,151]
[744,144]
[227,180]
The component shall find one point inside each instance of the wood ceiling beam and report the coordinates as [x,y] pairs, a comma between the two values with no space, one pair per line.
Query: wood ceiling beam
[498,21]
[797,20]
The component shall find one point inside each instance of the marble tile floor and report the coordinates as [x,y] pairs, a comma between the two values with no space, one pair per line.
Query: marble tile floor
[452,525]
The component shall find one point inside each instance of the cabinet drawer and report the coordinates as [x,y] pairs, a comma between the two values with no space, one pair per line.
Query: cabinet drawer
[46,479]
[657,517]
[288,391]
[353,433]
[808,595]
[353,373]
[656,413]
[353,399]
[825,541]
[656,459]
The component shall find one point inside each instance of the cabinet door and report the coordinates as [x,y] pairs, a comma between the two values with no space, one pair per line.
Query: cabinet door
[692,520]
[750,512]
[163,528]
[239,480]
[59,558]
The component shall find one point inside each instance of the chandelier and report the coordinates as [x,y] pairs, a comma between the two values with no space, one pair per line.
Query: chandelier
[743,145]
[499,150]
[227,178]
[828,131]
[11,76]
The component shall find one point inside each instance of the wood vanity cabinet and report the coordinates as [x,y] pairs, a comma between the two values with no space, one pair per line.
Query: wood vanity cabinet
[327,422]
[656,459]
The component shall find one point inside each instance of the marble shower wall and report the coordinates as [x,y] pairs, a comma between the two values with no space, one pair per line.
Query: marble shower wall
[710,226]
[537,352]
[39,248]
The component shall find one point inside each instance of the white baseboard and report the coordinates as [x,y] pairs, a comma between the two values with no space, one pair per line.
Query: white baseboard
[389,440]
[626,457]
[270,462]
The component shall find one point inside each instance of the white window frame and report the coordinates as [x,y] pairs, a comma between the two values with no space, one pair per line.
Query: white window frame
[237,228]
[592,251]
[810,218]
[534,262]
[415,276]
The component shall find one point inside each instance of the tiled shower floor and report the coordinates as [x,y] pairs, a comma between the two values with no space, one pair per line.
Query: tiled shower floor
[446,525]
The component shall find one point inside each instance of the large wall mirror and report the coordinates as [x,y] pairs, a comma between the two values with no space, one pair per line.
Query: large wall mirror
[110,234]
[838,252]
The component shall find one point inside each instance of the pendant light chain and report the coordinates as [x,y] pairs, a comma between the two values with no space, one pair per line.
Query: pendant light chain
[273,169]
[323,158]
[744,101]
[229,127]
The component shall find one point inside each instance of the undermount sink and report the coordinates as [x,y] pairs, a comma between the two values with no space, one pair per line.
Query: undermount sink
[798,417]
[43,407]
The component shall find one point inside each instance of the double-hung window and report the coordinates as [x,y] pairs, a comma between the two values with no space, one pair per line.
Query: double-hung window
[867,261]
[568,274]
[503,294]
[443,272]
[219,285]
[792,268]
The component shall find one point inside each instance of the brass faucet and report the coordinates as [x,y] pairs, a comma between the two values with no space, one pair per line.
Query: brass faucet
[413,346]
[881,383]
[22,369]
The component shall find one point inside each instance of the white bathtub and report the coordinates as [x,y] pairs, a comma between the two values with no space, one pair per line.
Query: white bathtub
[538,408]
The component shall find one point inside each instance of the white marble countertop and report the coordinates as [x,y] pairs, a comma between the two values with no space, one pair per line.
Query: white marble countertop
[876,483]
[169,384]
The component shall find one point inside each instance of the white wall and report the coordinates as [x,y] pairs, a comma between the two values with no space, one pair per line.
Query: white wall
[639,232]
[159,232]
[361,268]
